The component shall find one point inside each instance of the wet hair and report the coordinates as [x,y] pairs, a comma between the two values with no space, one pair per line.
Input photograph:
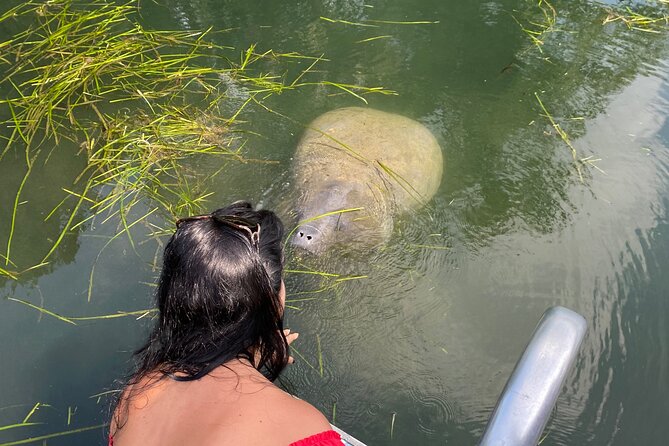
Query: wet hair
[218,298]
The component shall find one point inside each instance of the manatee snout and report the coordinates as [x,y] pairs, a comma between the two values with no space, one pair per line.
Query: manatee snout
[345,230]
[318,215]
[308,237]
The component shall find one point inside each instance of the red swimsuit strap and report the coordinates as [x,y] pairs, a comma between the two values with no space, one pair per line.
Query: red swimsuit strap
[326,438]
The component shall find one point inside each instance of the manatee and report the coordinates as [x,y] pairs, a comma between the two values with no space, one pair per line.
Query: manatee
[362,167]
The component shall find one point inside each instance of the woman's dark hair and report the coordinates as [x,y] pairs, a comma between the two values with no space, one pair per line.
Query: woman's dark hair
[218,297]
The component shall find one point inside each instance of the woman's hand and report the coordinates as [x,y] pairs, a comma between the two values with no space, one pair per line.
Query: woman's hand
[290,337]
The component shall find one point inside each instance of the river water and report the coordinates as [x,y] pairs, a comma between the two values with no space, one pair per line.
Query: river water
[419,350]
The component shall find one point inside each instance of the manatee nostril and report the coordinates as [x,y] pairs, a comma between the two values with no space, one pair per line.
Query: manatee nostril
[307,237]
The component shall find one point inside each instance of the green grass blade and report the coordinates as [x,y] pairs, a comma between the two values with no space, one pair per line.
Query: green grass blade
[42,310]
[43,438]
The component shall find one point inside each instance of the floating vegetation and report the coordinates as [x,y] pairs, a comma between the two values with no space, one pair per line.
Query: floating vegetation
[138,103]
[26,421]
[399,22]
[392,425]
[646,19]
[650,17]
[346,22]
[7,273]
[328,282]
[139,314]
[318,369]
[320,354]
[302,358]
[371,23]
[578,162]
[43,438]
[433,247]
[537,30]
[375,23]
[371,39]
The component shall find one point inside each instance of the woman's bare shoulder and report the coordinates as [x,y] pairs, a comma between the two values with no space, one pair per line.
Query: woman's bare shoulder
[295,407]
[274,417]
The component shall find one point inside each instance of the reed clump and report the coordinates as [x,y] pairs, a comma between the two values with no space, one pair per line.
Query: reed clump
[138,103]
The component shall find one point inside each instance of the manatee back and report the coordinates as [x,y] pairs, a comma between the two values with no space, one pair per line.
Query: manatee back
[393,154]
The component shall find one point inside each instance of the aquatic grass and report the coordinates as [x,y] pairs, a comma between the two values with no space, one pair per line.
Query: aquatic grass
[646,19]
[68,69]
[32,412]
[70,414]
[309,272]
[42,310]
[98,396]
[347,278]
[400,22]
[43,438]
[537,30]
[72,320]
[403,183]
[140,104]
[328,282]
[327,286]
[371,23]
[320,354]
[392,425]
[7,273]
[434,247]
[140,314]
[346,22]
[371,39]
[16,425]
[302,358]
[579,163]
[26,420]
[319,368]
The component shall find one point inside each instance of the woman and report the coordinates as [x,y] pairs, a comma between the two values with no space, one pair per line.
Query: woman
[205,375]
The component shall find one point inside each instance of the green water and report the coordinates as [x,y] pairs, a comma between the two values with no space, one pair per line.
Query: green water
[418,352]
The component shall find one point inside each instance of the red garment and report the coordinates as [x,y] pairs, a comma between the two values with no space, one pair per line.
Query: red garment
[327,438]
